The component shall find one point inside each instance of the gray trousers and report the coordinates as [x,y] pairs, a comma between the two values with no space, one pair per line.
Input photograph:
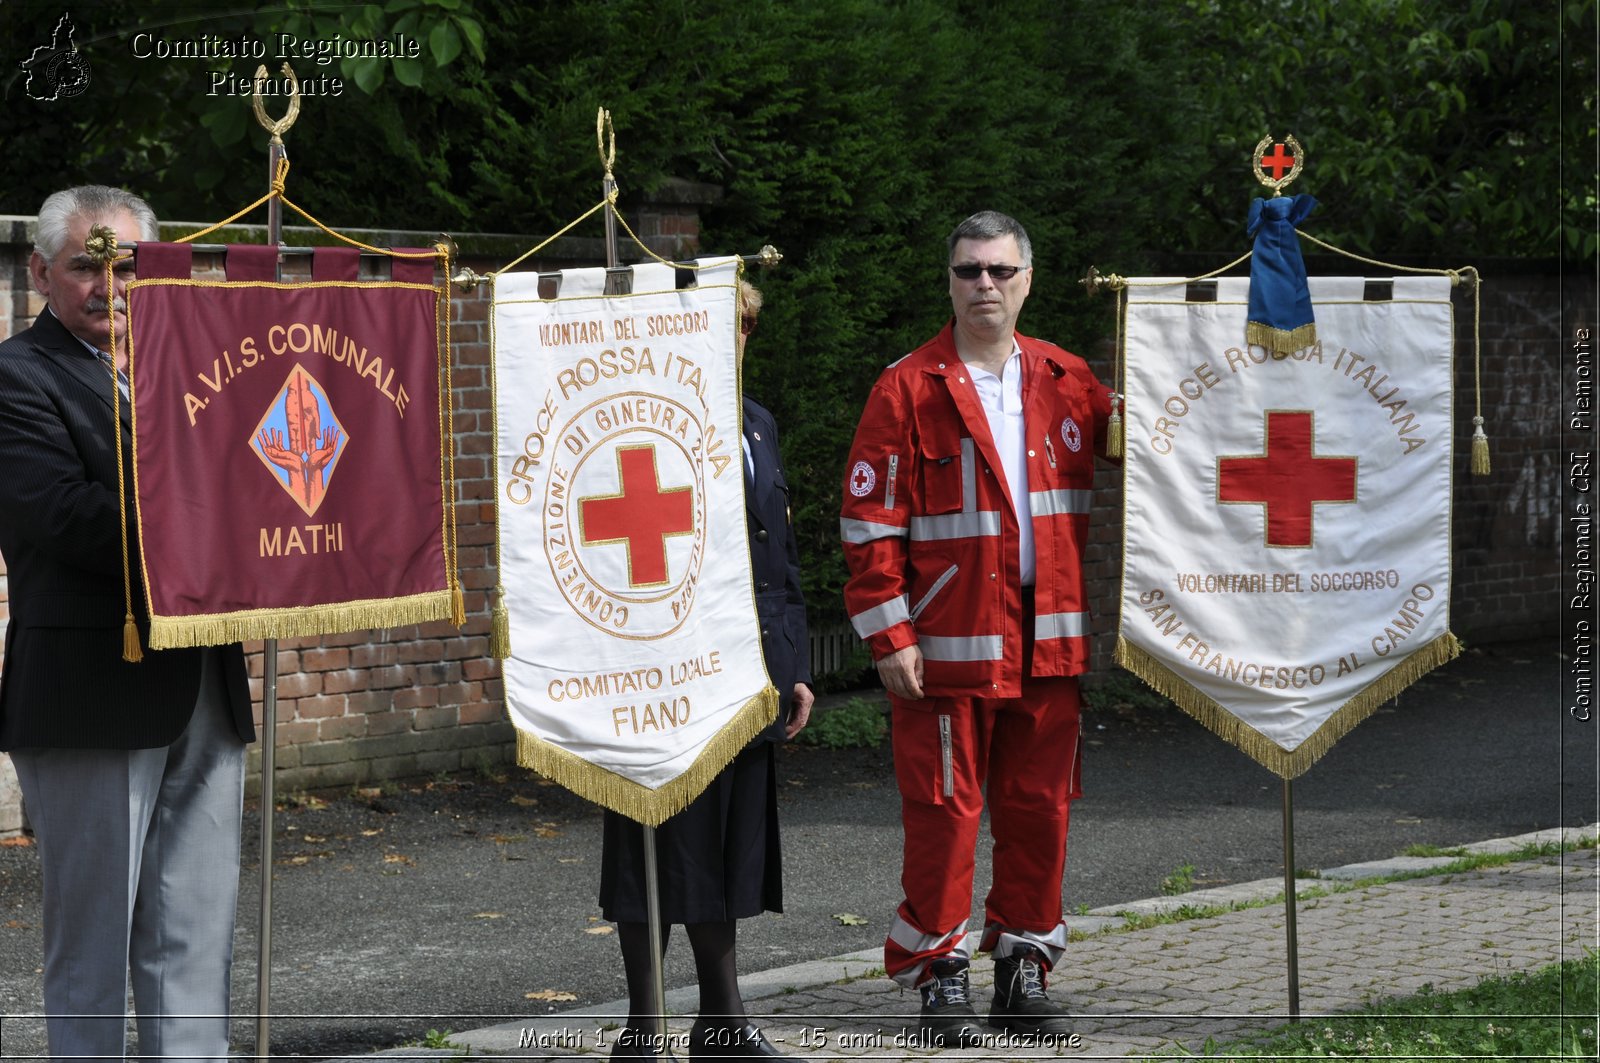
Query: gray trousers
[140,857]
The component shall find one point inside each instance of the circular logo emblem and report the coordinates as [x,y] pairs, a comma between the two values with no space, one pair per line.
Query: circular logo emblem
[862,479]
[624,510]
[1071,435]
[68,75]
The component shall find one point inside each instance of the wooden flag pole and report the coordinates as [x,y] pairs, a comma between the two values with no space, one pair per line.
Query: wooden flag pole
[1290,901]
[276,154]
[616,280]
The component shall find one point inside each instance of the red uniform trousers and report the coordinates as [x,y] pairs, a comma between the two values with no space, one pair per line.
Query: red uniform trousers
[1026,750]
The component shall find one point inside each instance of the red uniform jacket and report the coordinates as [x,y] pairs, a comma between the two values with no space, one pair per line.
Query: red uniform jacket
[930,533]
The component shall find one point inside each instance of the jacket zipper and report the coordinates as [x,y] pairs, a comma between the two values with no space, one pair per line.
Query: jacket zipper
[938,585]
[888,491]
[946,756]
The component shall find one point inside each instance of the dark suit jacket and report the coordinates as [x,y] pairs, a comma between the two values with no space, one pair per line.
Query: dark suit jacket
[775,565]
[65,684]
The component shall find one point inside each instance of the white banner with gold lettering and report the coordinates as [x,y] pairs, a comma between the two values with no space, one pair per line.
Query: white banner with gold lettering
[635,671]
[1287,523]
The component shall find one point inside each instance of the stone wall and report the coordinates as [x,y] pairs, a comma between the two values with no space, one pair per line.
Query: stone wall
[380,704]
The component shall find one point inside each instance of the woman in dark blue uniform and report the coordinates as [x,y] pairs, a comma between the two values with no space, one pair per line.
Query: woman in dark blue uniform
[718,860]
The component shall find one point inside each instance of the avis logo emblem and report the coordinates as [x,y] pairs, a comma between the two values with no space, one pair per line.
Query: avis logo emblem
[1072,435]
[862,479]
[300,440]
[57,71]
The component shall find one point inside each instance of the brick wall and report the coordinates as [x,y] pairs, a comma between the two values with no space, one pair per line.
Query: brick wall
[425,698]
[410,700]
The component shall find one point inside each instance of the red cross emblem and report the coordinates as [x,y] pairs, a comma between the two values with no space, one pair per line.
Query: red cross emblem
[1278,163]
[642,515]
[862,479]
[1288,479]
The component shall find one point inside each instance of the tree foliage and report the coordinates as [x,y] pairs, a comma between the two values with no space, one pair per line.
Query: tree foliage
[854,134]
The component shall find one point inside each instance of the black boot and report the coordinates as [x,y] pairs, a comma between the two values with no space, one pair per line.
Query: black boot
[1020,1004]
[947,1016]
[730,1038]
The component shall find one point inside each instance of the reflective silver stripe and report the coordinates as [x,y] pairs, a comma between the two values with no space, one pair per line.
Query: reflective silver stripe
[865,531]
[1058,503]
[911,939]
[938,585]
[955,526]
[880,617]
[1009,942]
[1060,625]
[905,936]
[888,489]
[962,648]
[969,474]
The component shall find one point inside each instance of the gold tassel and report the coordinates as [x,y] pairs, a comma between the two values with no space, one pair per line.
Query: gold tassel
[499,627]
[1480,449]
[458,604]
[1114,446]
[132,652]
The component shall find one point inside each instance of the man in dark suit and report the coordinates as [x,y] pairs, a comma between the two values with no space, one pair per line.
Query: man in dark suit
[132,774]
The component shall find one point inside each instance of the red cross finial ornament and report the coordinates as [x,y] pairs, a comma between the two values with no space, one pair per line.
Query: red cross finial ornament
[1285,162]
[642,515]
[1289,479]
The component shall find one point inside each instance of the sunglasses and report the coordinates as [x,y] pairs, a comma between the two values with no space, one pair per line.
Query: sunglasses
[747,324]
[972,273]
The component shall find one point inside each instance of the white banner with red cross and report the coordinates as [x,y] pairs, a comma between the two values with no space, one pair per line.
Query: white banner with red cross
[635,670]
[1287,528]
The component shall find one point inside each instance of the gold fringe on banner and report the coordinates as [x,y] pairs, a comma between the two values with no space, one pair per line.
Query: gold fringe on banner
[1280,341]
[169,632]
[640,803]
[1286,764]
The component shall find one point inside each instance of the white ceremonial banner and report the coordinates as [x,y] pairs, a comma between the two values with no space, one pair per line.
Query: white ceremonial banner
[636,671]
[1287,525]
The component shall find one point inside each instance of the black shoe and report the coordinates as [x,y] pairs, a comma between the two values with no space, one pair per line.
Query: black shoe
[947,1016]
[635,1044]
[1020,1004]
[730,1039]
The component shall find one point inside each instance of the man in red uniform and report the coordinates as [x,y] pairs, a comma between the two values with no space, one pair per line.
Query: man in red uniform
[965,521]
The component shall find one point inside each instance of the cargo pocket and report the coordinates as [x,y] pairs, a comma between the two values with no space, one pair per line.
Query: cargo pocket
[942,486]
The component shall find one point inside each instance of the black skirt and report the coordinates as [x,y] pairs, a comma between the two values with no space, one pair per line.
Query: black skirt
[718,859]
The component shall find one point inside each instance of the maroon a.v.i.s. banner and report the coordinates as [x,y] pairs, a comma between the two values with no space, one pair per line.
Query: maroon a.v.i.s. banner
[287,448]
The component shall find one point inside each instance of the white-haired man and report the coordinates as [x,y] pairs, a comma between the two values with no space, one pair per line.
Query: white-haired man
[132,774]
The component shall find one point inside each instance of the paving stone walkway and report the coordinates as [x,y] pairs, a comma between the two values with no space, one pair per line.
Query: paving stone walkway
[1163,991]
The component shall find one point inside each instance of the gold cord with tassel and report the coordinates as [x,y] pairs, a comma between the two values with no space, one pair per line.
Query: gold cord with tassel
[132,652]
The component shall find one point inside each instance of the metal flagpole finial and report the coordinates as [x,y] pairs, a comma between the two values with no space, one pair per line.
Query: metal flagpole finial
[606,140]
[1285,156]
[280,126]
[1094,282]
[101,243]
[768,256]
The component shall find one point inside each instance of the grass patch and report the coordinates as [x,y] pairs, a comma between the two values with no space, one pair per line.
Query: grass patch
[857,724]
[1544,1014]
[1329,887]
[439,1040]
[1181,880]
